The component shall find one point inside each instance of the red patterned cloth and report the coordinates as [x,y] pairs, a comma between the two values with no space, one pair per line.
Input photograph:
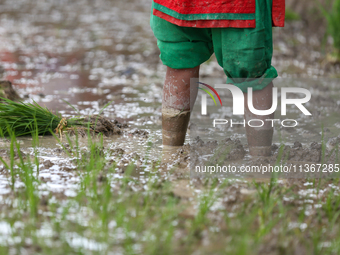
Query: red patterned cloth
[215,13]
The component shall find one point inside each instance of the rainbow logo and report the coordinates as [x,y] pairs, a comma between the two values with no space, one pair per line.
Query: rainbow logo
[209,93]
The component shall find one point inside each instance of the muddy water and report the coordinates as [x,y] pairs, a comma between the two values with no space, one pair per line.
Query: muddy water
[90,53]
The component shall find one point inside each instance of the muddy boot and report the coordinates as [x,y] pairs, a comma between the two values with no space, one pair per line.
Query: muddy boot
[174,126]
[260,138]
[179,94]
[259,141]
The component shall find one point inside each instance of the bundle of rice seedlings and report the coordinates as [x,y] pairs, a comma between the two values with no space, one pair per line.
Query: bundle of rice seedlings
[30,118]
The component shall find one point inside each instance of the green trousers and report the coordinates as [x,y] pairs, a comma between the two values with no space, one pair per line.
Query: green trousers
[244,53]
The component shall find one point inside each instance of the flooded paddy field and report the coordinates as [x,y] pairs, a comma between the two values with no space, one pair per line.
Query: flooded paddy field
[125,193]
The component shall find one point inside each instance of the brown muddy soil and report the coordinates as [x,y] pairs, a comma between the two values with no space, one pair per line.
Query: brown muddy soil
[226,150]
[107,127]
[7,91]
[124,66]
[89,59]
[100,125]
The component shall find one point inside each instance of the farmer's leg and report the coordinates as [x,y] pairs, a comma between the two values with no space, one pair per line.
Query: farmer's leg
[176,104]
[182,49]
[245,55]
[260,138]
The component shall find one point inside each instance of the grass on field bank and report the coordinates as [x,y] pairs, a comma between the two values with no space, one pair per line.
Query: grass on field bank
[332,14]
[291,15]
[112,213]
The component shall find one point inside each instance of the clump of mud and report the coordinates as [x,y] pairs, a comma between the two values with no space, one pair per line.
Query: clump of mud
[297,154]
[6,154]
[105,126]
[302,154]
[140,133]
[333,150]
[98,124]
[7,91]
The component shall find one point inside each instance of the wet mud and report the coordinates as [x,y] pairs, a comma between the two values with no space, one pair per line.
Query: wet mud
[94,56]
[95,64]
[7,91]
[99,125]
[225,151]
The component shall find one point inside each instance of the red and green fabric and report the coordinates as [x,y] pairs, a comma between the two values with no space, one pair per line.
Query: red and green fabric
[215,13]
[245,54]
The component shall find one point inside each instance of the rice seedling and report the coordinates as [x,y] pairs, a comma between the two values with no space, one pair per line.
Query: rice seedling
[111,212]
[27,118]
[32,119]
